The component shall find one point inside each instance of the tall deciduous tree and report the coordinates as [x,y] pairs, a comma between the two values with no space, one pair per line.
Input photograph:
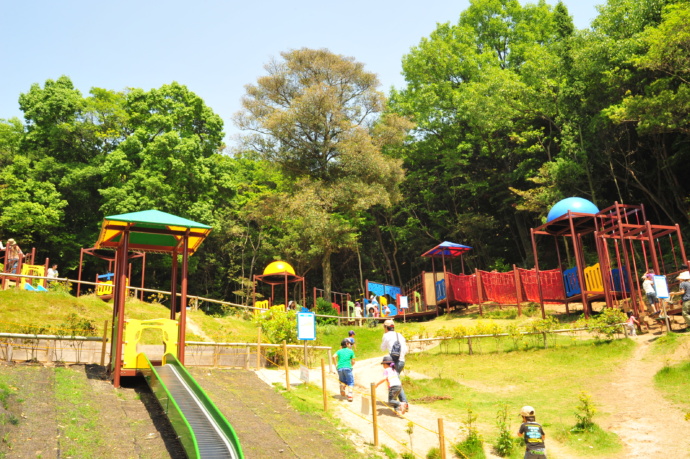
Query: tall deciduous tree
[316,115]
[485,95]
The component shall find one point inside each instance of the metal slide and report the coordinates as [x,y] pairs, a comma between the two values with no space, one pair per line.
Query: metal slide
[202,429]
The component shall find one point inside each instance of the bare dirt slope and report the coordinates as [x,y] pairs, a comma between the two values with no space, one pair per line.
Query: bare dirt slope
[648,424]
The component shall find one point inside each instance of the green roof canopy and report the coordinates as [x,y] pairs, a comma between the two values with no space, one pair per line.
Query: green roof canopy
[152,231]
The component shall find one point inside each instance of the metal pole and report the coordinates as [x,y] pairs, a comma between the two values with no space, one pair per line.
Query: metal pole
[183,298]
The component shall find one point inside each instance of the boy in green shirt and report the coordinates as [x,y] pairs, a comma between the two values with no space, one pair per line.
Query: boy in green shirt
[344,359]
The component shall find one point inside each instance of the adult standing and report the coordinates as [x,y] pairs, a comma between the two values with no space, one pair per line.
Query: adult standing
[394,343]
[684,287]
[15,253]
[389,340]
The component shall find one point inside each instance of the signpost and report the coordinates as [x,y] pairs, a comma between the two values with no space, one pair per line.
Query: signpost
[661,288]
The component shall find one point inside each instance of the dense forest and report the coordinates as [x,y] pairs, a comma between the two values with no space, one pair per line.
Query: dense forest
[504,113]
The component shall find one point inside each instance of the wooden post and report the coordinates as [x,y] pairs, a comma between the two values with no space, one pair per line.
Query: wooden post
[323,384]
[469,344]
[216,355]
[258,350]
[105,342]
[374,414]
[246,358]
[441,439]
[287,368]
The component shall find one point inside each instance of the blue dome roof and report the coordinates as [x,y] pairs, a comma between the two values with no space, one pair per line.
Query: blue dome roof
[579,205]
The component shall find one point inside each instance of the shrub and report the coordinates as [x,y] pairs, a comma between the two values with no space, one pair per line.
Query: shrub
[278,325]
[584,414]
[472,446]
[505,442]
[325,307]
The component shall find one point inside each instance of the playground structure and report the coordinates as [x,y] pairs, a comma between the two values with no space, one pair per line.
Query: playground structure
[278,273]
[202,429]
[25,267]
[104,282]
[617,232]
[625,244]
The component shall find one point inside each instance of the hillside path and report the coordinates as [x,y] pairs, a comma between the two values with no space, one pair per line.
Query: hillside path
[357,414]
[648,424]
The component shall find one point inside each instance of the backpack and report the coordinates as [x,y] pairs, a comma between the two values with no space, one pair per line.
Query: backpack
[396,348]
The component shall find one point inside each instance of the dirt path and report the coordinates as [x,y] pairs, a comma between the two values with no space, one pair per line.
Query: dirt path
[357,414]
[648,424]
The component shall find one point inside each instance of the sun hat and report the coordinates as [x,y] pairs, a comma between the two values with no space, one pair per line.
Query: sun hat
[351,333]
[527,411]
[387,359]
[344,343]
[10,241]
[685,275]
[388,323]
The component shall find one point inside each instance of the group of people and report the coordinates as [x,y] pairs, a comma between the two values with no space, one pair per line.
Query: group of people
[14,255]
[653,299]
[393,364]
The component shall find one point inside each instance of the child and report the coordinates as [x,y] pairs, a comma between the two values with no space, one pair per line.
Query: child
[351,339]
[394,386]
[632,324]
[533,434]
[344,359]
[648,287]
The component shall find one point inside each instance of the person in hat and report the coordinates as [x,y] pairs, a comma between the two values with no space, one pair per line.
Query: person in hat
[650,291]
[684,289]
[14,255]
[533,434]
[351,339]
[395,390]
[344,360]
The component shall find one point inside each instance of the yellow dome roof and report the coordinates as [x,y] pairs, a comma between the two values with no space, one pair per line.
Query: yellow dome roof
[278,267]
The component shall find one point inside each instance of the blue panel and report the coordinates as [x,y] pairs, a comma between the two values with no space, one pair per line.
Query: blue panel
[377,289]
[440,288]
[392,291]
[571,282]
[616,276]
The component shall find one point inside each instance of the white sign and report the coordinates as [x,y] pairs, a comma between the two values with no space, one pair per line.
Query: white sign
[402,301]
[304,373]
[661,287]
[306,326]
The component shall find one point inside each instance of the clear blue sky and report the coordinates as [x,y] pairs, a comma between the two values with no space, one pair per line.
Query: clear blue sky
[214,47]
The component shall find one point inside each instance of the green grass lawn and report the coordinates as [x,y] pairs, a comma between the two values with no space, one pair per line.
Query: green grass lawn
[502,372]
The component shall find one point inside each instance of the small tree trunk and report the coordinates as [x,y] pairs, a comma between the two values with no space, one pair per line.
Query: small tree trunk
[327,275]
